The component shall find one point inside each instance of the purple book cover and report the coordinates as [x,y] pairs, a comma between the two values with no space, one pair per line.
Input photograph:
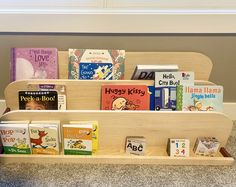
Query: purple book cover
[34,63]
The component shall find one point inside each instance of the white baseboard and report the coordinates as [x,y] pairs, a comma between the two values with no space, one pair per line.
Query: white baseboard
[229,109]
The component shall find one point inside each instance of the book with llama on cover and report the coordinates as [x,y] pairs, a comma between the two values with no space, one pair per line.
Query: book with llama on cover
[96,64]
[125,97]
[34,63]
[200,98]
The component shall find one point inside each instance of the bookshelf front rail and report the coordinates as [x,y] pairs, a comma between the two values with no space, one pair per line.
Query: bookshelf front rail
[155,126]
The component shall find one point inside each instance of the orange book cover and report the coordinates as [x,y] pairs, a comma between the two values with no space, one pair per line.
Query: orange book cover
[125,97]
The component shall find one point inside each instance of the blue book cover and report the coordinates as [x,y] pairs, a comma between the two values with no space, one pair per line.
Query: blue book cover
[151,90]
[95,71]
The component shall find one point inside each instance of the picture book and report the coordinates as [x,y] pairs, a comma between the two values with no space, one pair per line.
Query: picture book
[165,88]
[94,132]
[147,72]
[78,139]
[59,88]
[200,98]
[151,91]
[34,63]
[38,100]
[125,97]
[135,145]
[96,64]
[44,137]
[15,138]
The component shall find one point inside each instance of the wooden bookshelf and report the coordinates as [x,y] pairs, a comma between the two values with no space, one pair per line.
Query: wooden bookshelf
[83,103]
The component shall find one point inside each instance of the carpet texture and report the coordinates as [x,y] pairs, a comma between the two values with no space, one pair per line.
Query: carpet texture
[120,175]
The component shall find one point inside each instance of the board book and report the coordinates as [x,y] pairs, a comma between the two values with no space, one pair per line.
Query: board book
[59,88]
[96,64]
[94,132]
[200,98]
[125,97]
[45,137]
[15,138]
[147,72]
[34,63]
[78,139]
[165,88]
[38,100]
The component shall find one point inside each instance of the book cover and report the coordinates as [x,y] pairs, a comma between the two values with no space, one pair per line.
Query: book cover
[77,139]
[147,72]
[165,88]
[38,100]
[200,98]
[94,132]
[44,137]
[15,138]
[34,63]
[59,88]
[96,57]
[125,97]
[95,71]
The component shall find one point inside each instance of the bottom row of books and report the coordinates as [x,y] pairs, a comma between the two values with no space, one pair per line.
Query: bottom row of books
[81,138]
[37,137]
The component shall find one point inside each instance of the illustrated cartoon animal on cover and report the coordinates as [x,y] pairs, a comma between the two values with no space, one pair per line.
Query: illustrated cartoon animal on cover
[121,103]
[39,141]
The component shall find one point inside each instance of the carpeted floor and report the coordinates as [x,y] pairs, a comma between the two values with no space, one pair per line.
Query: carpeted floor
[120,175]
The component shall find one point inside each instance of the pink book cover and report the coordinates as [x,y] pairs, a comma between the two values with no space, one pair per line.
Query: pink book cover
[34,63]
[125,97]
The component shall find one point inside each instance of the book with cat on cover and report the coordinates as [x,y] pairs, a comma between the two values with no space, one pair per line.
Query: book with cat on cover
[125,97]
[45,137]
[15,138]
[200,98]
[96,64]
[38,100]
[34,63]
[78,139]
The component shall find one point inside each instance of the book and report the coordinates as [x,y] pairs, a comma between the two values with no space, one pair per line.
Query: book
[135,145]
[147,72]
[94,132]
[15,138]
[96,64]
[165,88]
[78,139]
[38,100]
[178,147]
[125,97]
[200,98]
[206,146]
[45,137]
[34,63]
[59,88]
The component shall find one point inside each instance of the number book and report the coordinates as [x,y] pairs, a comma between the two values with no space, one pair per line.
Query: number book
[34,63]
[15,138]
[38,100]
[59,88]
[94,132]
[147,72]
[165,88]
[200,98]
[96,64]
[125,97]
[78,139]
[45,137]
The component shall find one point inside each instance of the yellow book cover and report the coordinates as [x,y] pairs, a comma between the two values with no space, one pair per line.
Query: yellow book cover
[77,139]
[94,133]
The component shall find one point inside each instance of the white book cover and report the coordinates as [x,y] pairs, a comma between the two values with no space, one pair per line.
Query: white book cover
[15,138]
[147,72]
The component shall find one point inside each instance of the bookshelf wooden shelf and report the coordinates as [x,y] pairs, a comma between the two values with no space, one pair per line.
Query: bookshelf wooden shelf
[156,127]
[83,103]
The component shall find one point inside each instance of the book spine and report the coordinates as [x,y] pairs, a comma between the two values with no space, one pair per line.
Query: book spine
[179,97]
[13,65]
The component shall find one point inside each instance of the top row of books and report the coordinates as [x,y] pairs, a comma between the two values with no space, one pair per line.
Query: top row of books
[87,64]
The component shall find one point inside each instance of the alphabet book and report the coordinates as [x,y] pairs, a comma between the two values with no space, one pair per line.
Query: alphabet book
[34,63]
